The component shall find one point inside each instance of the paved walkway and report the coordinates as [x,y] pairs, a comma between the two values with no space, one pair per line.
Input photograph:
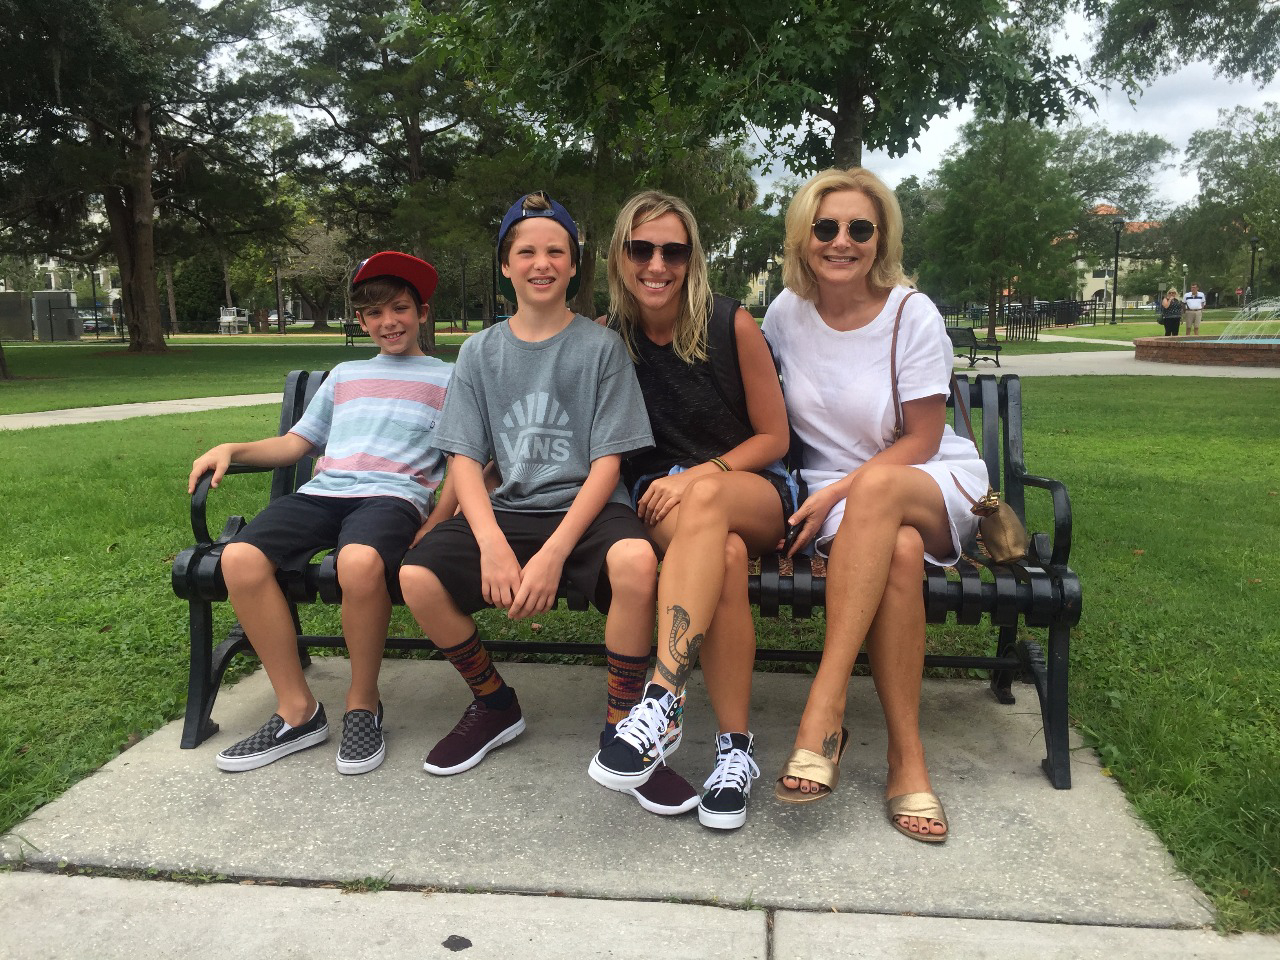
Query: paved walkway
[525,857]
[1096,363]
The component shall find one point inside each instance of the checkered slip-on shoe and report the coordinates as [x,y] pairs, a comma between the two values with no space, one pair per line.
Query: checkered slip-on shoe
[363,747]
[272,742]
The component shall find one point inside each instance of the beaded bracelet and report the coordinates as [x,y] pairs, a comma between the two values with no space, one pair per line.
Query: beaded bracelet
[720,463]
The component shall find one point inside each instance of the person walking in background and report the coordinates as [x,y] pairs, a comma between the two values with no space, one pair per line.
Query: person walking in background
[1171,312]
[1194,304]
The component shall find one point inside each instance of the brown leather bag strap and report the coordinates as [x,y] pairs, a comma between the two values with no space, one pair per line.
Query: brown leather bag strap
[893,368]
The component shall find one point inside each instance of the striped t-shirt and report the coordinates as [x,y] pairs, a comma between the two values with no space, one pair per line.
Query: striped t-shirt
[375,422]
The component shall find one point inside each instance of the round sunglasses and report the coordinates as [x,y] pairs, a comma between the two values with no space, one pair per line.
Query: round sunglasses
[860,231]
[673,254]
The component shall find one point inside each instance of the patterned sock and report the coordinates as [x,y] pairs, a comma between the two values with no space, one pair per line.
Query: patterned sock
[626,681]
[471,659]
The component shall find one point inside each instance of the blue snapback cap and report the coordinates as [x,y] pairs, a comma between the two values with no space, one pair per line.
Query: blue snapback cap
[557,213]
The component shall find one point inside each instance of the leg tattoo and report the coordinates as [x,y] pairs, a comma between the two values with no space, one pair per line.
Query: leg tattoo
[683,653]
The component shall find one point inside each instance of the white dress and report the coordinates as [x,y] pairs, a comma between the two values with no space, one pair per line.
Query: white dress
[840,402]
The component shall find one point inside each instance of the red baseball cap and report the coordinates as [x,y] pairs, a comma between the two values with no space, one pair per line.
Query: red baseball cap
[417,273]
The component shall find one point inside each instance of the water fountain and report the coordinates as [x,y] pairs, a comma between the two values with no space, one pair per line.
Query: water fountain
[1251,339]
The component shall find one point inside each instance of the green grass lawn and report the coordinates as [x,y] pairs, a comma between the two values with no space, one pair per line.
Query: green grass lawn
[59,376]
[1175,668]
[88,374]
[1140,323]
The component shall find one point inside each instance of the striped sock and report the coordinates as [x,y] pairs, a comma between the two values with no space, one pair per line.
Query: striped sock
[471,659]
[626,683]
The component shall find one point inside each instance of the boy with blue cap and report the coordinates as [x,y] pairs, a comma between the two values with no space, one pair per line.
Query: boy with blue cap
[552,398]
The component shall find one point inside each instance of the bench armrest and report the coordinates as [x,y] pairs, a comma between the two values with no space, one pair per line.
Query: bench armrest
[1061,544]
[199,524]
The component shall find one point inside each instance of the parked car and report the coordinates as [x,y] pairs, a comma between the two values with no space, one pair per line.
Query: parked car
[273,316]
[100,325]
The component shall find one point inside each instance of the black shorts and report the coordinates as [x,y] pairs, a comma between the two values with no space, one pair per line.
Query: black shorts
[294,528]
[450,552]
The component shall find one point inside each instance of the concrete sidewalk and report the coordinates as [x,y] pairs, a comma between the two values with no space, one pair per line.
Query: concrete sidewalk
[525,856]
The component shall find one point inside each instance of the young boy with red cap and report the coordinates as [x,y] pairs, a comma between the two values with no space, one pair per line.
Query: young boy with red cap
[553,400]
[368,498]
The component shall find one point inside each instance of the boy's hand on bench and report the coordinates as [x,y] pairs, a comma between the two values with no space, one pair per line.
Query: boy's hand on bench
[218,460]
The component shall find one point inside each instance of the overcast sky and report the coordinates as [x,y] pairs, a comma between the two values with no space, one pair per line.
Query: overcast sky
[1174,107]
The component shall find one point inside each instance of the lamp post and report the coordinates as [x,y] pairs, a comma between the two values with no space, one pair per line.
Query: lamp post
[1118,223]
[1253,256]
[767,270]
[1184,278]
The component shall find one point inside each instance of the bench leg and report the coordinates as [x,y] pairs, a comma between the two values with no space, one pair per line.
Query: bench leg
[1053,708]
[1001,681]
[200,687]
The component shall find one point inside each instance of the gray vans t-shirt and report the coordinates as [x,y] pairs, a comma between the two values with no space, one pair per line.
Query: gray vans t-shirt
[544,411]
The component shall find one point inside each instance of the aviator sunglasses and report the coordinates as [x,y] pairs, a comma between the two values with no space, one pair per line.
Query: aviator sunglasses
[673,254]
[860,231]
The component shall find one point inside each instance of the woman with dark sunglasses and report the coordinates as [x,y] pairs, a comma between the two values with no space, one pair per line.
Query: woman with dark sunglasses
[867,366]
[712,490]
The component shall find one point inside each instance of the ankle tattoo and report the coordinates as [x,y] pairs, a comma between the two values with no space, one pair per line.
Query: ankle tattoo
[830,745]
[683,653]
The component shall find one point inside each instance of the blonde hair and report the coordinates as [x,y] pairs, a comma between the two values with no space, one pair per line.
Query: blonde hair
[690,341]
[886,272]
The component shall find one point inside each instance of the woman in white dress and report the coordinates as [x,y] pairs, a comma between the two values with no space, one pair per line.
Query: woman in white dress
[883,468]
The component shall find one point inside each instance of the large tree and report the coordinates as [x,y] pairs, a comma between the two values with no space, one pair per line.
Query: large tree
[1139,40]
[825,77]
[1112,174]
[1005,220]
[114,107]
[1237,163]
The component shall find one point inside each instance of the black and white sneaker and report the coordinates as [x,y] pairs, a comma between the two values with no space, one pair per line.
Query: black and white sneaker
[724,805]
[363,747]
[644,737]
[274,739]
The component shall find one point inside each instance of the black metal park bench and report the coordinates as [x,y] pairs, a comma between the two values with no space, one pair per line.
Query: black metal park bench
[353,332]
[964,339]
[1039,597]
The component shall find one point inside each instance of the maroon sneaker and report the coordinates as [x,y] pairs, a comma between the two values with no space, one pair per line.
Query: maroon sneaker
[479,731]
[666,793]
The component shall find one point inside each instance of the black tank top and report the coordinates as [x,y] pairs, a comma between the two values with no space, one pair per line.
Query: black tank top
[693,419]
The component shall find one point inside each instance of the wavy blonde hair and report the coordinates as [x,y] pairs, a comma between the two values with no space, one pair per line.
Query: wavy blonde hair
[886,271]
[690,341]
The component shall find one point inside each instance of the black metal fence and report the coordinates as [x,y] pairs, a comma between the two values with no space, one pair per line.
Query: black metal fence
[1020,321]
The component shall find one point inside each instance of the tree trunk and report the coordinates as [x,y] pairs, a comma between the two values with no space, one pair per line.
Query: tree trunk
[584,301]
[226,281]
[427,332]
[848,123]
[4,366]
[173,301]
[131,212]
